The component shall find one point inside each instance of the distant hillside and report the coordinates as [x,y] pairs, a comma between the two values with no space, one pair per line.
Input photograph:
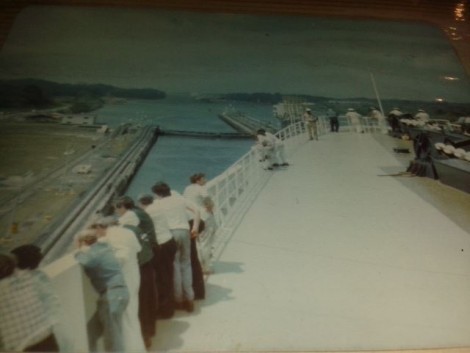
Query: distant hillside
[31,93]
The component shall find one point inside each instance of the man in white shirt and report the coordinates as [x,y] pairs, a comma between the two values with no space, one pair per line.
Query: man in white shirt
[175,209]
[379,117]
[355,120]
[273,149]
[422,115]
[196,191]
[165,260]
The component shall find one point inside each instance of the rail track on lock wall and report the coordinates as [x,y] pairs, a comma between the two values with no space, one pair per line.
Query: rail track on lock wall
[59,236]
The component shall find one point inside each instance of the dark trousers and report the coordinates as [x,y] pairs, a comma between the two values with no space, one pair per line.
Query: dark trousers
[148,298]
[198,276]
[164,279]
[334,124]
[49,344]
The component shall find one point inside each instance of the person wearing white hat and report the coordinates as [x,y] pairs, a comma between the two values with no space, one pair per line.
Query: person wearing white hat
[355,120]
[421,115]
[273,147]
[378,116]
[310,122]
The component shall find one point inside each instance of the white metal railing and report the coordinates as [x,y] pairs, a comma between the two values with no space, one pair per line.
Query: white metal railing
[233,192]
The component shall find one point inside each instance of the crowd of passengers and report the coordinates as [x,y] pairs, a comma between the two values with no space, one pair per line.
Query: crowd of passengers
[145,259]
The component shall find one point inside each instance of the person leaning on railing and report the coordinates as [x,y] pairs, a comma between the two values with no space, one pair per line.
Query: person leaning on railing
[174,208]
[104,271]
[140,223]
[126,246]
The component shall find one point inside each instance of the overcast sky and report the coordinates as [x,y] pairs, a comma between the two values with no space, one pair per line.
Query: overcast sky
[218,53]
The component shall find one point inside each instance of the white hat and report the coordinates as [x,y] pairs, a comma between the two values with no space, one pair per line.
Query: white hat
[308,110]
[350,109]
[449,149]
[467,156]
[459,153]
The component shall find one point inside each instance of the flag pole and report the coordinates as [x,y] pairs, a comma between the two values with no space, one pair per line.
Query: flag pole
[376,93]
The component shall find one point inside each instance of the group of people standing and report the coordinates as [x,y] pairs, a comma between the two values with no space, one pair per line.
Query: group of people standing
[383,123]
[355,119]
[144,259]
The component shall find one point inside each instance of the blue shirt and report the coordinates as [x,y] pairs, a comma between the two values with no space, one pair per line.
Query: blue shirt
[101,266]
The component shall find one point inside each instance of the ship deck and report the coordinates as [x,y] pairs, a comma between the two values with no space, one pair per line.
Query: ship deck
[334,256]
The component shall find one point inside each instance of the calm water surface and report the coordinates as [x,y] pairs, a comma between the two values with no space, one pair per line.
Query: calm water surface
[173,159]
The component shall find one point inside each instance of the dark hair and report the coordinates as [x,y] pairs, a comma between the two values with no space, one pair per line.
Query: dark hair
[126,202]
[28,256]
[161,189]
[261,131]
[146,199]
[196,177]
[7,265]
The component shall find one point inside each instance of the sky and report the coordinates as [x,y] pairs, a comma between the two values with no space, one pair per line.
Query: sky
[224,53]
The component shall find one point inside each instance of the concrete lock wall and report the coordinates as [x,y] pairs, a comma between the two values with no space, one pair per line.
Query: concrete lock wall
[77,303]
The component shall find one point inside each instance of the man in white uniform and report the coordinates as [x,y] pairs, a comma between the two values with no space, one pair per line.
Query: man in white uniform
[422,115]
[197,193]
[378,116]
[310,122]
[355,120]
[273,148]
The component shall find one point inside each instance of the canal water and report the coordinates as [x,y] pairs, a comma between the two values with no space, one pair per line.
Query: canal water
[173,159]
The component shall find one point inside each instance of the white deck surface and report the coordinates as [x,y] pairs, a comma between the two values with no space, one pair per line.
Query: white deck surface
[333,257]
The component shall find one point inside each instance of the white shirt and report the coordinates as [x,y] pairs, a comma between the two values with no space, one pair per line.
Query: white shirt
[162,230]
[196,194]
[264,142]
[354,117]
[375,114]
[423,116]
[126,246]
[396,112]
[130,218]
[174,207]
[124,243]
[273,139]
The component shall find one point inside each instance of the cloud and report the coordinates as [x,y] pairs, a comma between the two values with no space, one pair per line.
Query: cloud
[226,52]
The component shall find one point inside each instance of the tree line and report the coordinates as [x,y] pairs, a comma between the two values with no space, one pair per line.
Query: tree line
[32,93]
